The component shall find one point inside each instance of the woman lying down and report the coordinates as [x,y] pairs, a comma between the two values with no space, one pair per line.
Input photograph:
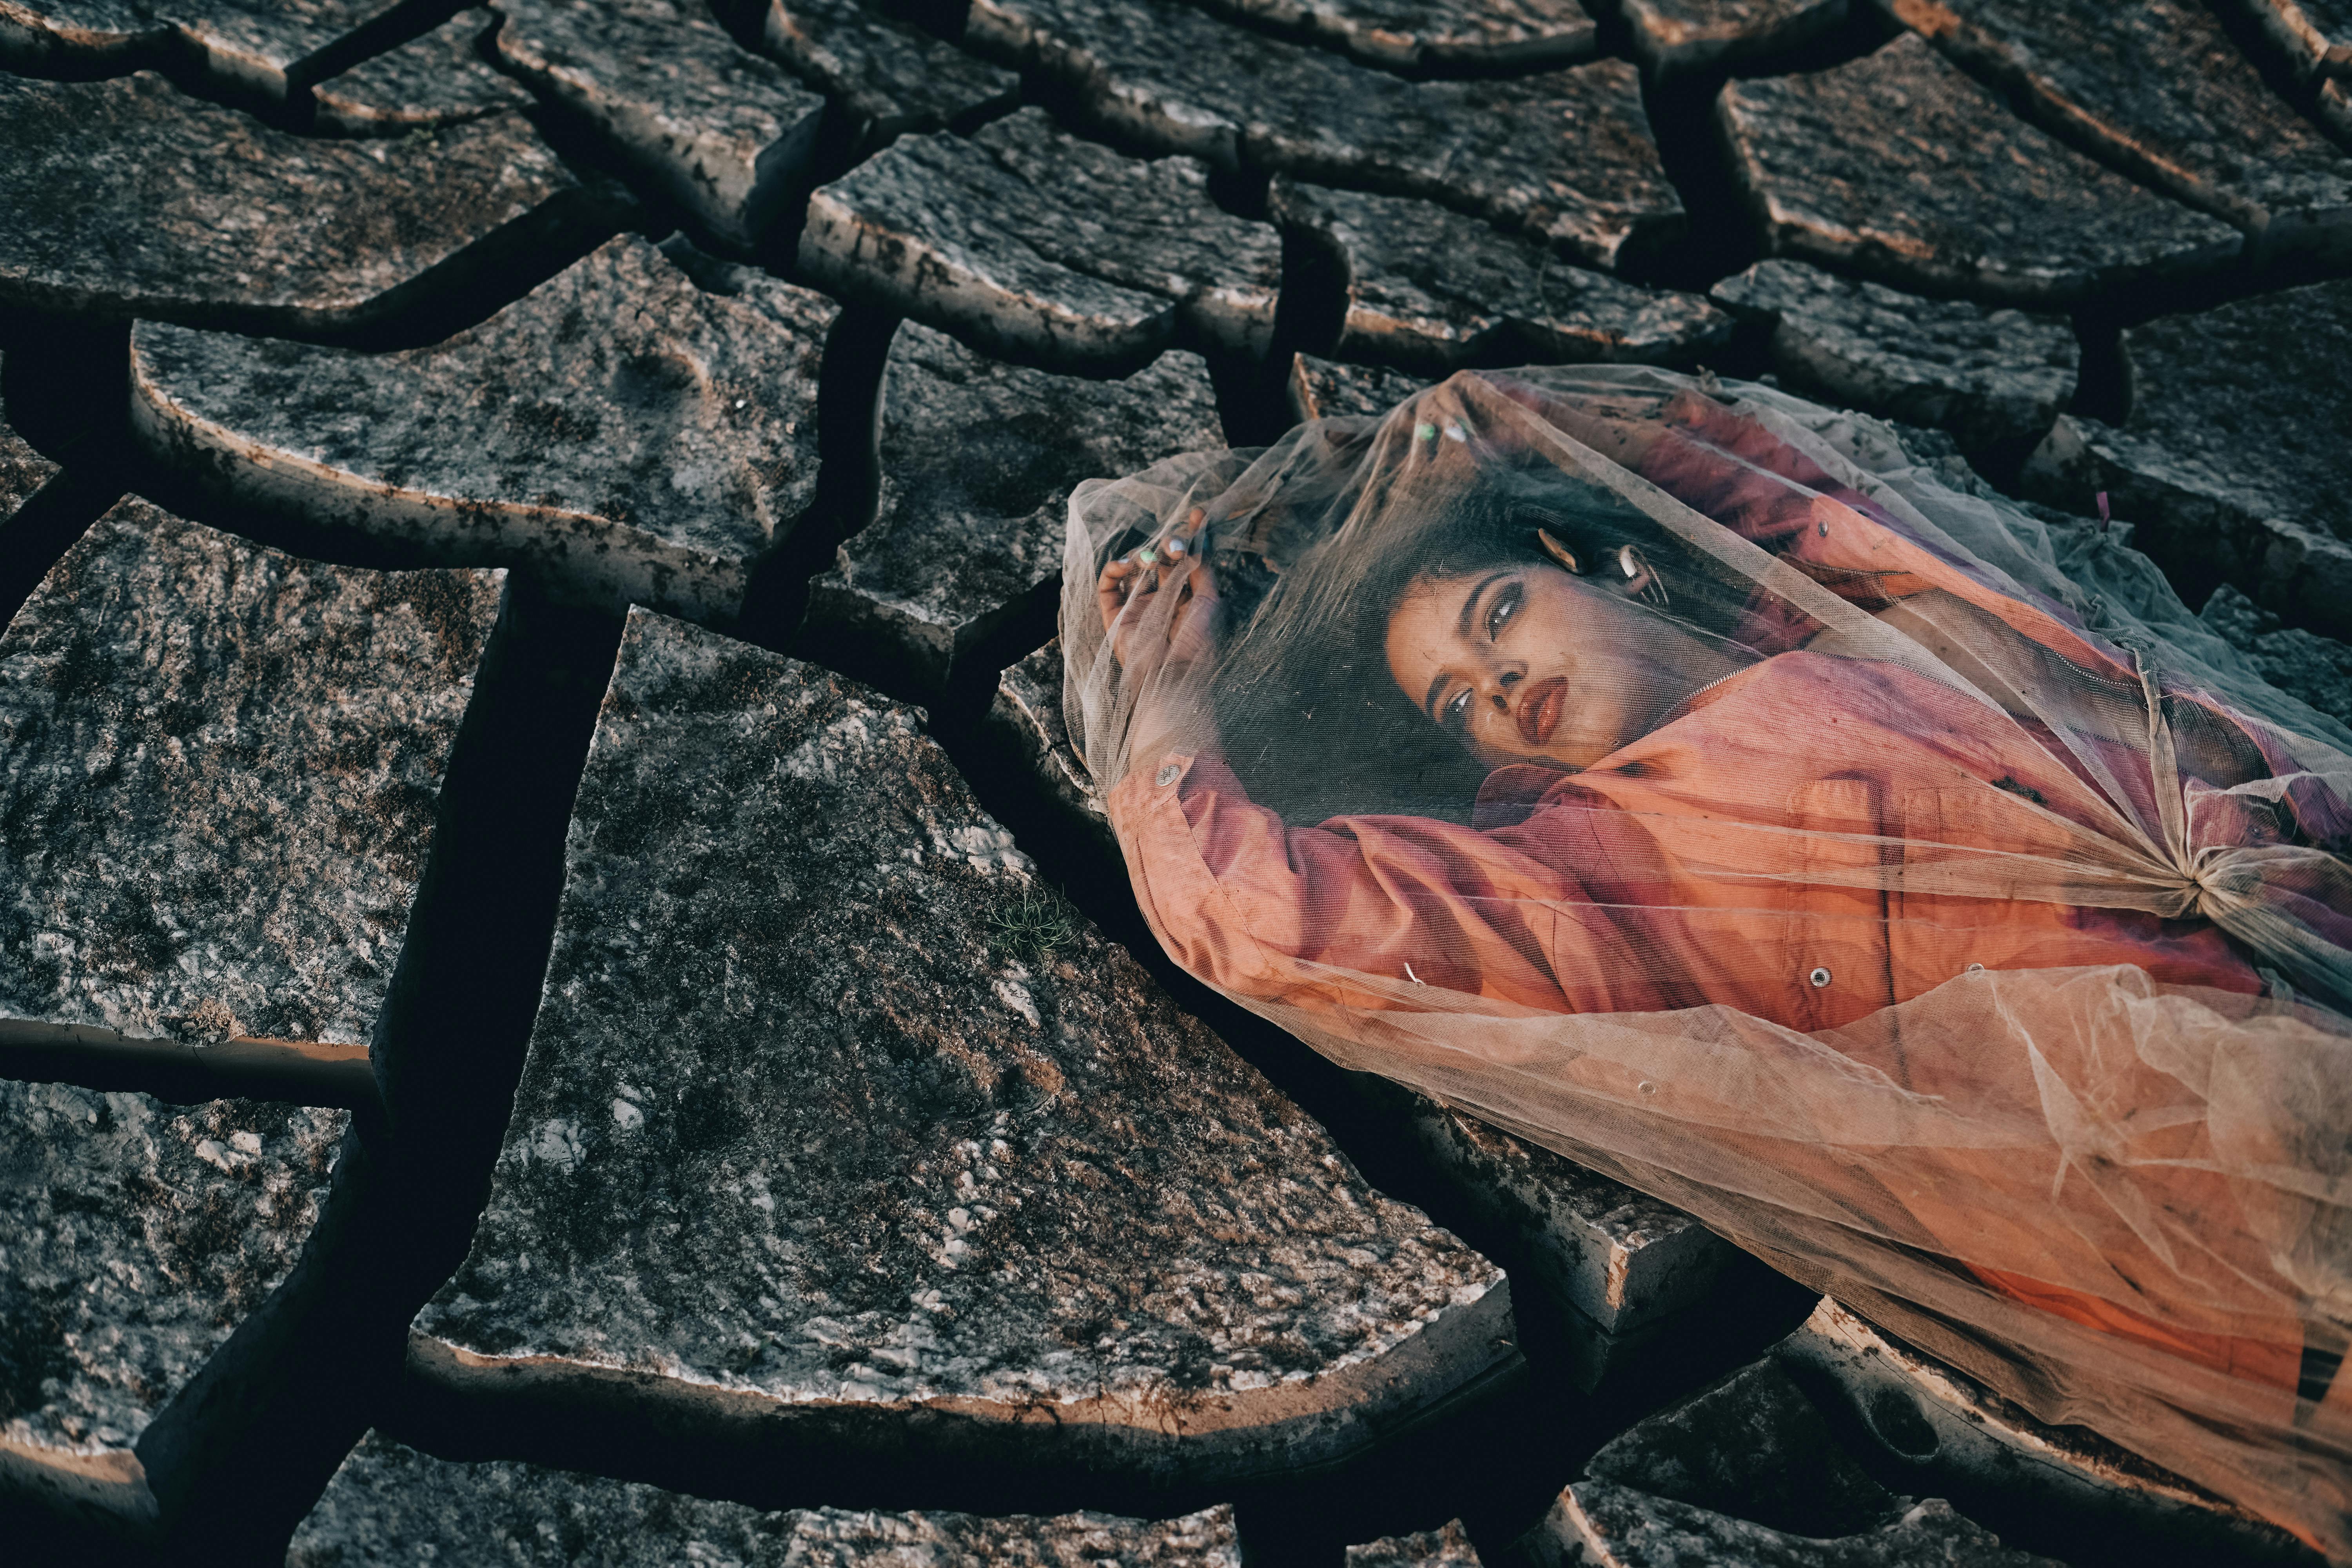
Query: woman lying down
[1672,775]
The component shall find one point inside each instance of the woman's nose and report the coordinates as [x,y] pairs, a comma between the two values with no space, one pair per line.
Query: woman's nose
[1504,678]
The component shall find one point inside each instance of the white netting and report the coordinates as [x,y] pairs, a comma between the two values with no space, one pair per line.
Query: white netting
[1681,777]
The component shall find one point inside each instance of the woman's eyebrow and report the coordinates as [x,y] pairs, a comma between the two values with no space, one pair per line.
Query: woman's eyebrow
[1462,625]
[1429,699]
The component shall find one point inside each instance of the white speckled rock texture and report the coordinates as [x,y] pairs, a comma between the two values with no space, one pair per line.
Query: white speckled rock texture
[2315,669]
[440,78]
[839,1132]
[1952,1432]
[2158,88]
[1749,1472]
[1900,166]
[1031,243]
[1991,377]
[389,1505]
[1618,1268]
[266,51]
[1436,35]
[1564,154]
[888,77]
[625,433]
[23,470]
[2235,459]
[128,198]
[1676,36]
[1448,1546]
[978,461]
[725,132]
[220,770]
[1431,291]
[1028,734]
[135,1236]
[1324,389]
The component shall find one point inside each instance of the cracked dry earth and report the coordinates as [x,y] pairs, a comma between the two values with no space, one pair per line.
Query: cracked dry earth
[564,995]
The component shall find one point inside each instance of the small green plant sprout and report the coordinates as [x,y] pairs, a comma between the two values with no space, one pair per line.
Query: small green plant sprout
[1034,926]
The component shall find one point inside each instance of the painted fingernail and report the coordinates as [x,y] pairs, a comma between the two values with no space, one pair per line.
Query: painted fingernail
[1147,555]
[1175,547]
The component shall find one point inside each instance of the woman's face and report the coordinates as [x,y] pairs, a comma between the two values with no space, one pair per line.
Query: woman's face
[1529,664]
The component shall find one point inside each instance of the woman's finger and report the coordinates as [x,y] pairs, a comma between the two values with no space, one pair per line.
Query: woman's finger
[1112,588]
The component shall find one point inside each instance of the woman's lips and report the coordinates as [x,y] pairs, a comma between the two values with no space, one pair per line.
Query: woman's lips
[1540,709]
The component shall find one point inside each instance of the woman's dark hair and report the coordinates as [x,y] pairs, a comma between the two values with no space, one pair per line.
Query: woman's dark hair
[1309,716]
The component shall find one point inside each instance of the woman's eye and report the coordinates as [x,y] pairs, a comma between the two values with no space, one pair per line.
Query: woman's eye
[1457,710]
[1506,605]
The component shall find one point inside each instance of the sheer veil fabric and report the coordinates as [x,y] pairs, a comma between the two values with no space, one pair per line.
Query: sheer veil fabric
[1910,887]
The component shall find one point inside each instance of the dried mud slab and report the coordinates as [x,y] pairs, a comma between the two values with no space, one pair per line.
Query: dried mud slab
[725,132]
[1435,36]
[220,770]
[1900,166]
[1993,377]
[1320,389]
[2235,462]
[1673,36]
[1431,291]
[128,198]
[2314,669]
[2160,89]
[888,78]
[2315,35]
[388,1503]
[139,1236]
[1565,155]
[1448,1546]
[1748,1471]
[1617,1269]
[979,459]
[23,470]
[438,79]
[1953,1433]
[1035,244]
[842,1139]
[267,51]
[1028,732]
[622,432]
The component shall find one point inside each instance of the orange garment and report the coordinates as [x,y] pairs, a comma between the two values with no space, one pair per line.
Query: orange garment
[1681,870]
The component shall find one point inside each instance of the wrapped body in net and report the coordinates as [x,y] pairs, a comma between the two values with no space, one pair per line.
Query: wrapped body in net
[1676,775]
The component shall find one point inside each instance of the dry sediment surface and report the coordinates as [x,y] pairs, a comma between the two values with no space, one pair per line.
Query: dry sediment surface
[138,1237]
[722,132]
[1899,166]
[1431,291]
[389,1503]
[969,1168]
[2235,459]
[1030,242]
[1992,377]
[979,459]
[625,432]
[438,79]
[850,1155]
[220,793]
[130,198]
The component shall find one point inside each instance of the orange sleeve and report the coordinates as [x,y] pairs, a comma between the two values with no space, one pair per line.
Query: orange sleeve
[1567,911]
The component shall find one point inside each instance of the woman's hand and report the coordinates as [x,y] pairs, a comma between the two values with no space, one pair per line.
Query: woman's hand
[1148,634]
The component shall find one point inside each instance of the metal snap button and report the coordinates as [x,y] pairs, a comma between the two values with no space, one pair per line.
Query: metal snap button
[1820,977]
[1168,775]
[1976,969]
